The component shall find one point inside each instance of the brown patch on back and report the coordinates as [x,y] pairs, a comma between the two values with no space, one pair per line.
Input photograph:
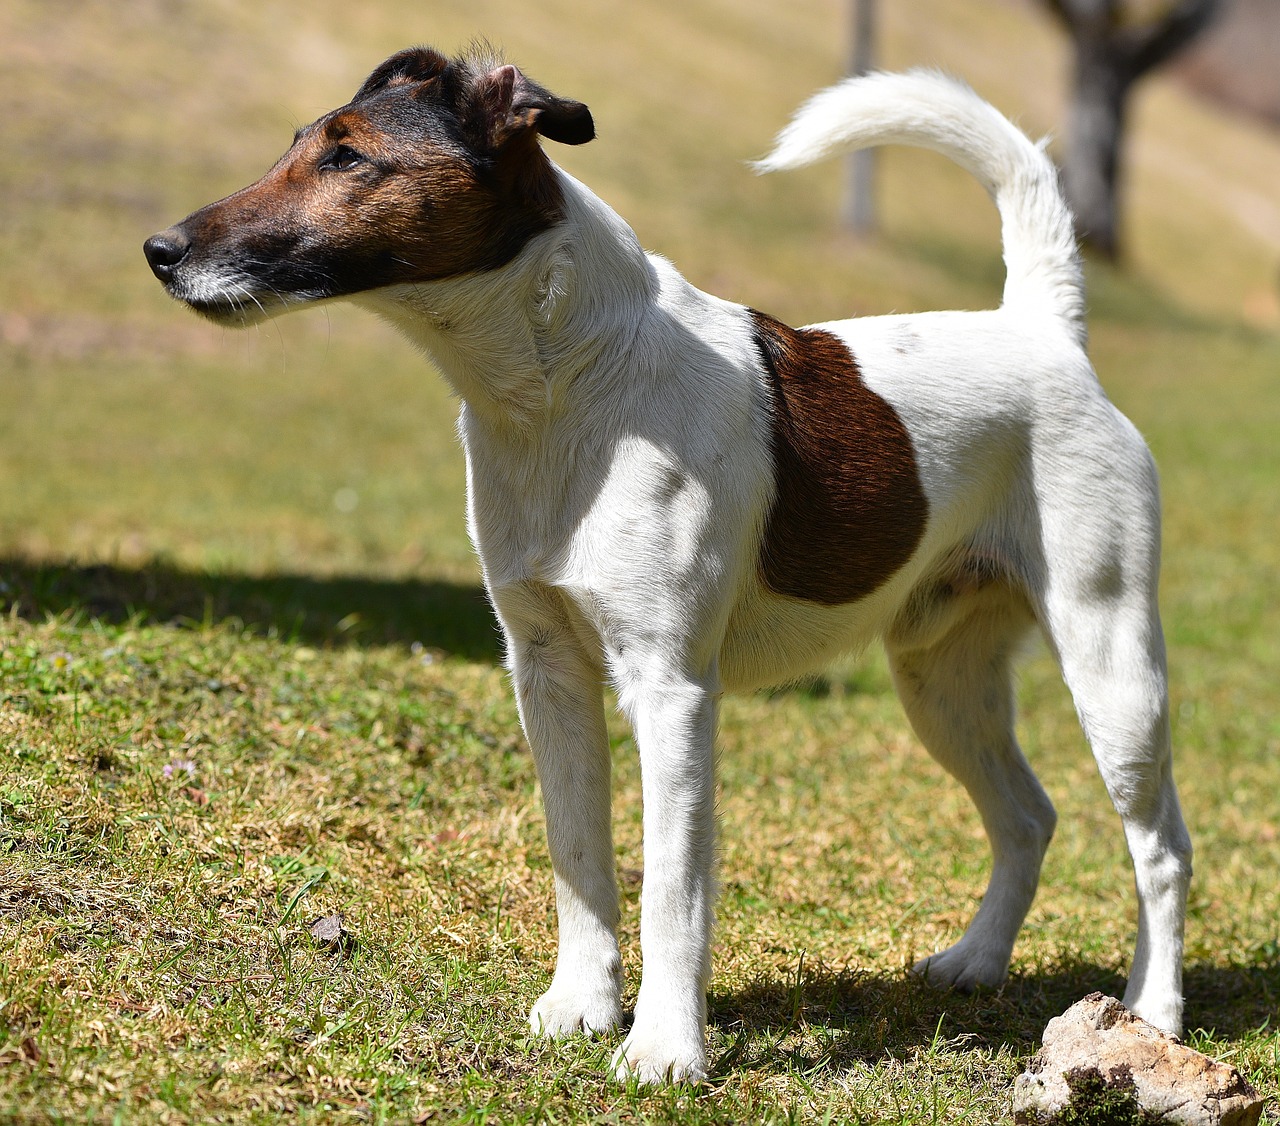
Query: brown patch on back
[849,509]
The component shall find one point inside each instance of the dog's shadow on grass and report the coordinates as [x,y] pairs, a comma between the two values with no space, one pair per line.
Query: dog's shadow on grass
[835,1020]
[335,611]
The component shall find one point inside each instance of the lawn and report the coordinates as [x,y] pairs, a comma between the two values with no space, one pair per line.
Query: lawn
[248,679]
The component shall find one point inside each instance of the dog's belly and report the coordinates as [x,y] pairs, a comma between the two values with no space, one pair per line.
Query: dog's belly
[772,639]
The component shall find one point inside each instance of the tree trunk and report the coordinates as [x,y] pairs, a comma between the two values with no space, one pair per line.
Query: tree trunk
[858,208]
[1095,130]
[1114,47]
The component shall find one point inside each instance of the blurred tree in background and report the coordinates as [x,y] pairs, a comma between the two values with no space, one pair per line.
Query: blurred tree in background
[858,208]
[1115,42]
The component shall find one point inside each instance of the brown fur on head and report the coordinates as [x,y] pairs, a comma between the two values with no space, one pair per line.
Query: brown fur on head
[432,170]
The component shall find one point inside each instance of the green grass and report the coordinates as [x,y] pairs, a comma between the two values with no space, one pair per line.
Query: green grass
[247,676]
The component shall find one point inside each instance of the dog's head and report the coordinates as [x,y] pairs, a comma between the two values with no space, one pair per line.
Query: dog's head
[433,170]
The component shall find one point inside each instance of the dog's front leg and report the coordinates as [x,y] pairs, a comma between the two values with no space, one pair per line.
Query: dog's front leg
[674,721]
[559,693]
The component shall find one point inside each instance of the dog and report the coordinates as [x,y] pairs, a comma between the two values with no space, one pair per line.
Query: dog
[682,496]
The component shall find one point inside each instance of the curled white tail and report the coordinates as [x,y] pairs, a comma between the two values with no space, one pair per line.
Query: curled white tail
[929,110]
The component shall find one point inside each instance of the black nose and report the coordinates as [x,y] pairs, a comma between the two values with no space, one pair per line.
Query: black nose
[165,250]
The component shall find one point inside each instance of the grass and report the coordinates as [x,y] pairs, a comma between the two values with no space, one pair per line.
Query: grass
[247,677]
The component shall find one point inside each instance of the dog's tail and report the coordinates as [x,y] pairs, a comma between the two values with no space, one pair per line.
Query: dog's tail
[930,110]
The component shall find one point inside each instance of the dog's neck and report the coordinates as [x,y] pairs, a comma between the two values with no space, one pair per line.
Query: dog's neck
[513,342]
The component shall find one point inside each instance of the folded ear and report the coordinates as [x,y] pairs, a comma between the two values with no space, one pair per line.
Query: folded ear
[417,64]
[515,104]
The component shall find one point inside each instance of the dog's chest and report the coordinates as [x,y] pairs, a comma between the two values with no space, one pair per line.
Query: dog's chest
[578,508]
[524,503]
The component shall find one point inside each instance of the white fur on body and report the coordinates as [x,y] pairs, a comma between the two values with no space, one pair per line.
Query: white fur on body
[616,422]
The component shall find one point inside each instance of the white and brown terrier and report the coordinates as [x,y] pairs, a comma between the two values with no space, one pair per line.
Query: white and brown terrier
[681,496]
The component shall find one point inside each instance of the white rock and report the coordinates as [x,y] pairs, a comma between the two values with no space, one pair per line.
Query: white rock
[1109,1056]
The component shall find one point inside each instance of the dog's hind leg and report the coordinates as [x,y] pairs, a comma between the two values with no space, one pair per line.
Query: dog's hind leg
[1100,613]
[559,693]
[958,694]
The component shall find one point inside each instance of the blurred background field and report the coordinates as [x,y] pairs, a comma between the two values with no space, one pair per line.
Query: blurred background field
[244,554]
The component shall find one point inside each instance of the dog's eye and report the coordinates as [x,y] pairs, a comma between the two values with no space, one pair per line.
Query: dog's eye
[343,157]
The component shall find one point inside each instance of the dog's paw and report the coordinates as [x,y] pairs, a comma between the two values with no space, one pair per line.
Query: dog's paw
[653,1057]
[964,967]
[1164,1011]
[563,1012]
